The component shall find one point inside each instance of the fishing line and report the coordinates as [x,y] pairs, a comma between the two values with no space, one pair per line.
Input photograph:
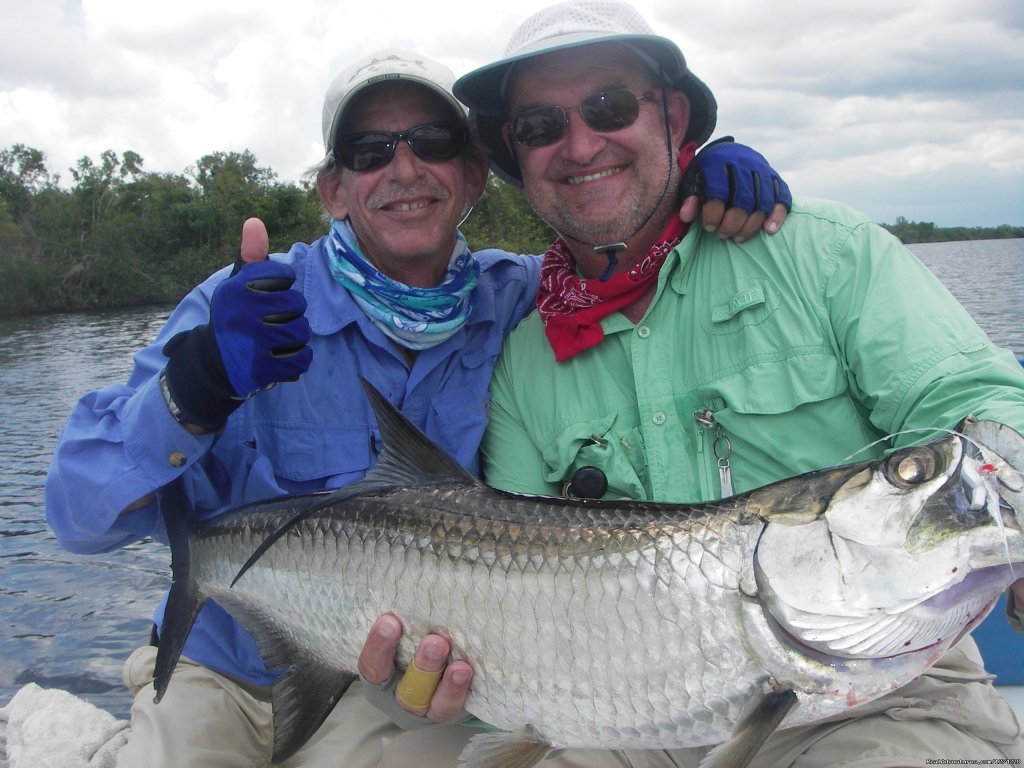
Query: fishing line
[1002,466]
[988,476]
[982,475]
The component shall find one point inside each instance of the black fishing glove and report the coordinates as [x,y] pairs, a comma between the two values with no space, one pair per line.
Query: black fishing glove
[257,336]
[736,174]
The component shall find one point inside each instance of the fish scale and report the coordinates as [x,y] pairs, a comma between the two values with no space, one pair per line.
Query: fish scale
[593,623]
[555,579]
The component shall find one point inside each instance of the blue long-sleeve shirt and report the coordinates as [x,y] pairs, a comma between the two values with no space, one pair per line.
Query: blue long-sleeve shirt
[121,444]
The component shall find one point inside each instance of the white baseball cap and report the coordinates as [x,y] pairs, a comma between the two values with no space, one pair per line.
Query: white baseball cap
[382,67]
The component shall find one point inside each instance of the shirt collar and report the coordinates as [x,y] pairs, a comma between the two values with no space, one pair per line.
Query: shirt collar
[675,273]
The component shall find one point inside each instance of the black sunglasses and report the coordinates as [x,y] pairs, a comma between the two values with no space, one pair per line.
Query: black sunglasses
[605,112]
[433,142]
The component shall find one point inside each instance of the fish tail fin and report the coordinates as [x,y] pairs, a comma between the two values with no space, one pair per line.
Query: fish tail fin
[752,732]
[183,600]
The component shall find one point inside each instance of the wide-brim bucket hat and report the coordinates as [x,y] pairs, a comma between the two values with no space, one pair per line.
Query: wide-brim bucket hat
[571,25]
[384,66]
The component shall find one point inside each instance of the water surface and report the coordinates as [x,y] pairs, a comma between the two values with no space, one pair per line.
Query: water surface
[68,621]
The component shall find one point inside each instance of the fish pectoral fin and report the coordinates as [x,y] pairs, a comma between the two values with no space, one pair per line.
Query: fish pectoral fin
[315,503]
[519,749]
[302,699]
[752,732]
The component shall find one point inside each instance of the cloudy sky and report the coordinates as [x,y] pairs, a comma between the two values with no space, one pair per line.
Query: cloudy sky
[913,109]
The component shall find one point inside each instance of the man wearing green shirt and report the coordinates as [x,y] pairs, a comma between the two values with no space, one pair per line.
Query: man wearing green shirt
[676,366]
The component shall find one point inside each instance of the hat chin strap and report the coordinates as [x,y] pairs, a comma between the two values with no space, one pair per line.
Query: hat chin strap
[611,249]
[609,252]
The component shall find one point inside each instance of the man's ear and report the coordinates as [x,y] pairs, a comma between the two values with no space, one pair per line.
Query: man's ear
[678,107]
[510,143]
[506,136]
[476,167]
[333,194]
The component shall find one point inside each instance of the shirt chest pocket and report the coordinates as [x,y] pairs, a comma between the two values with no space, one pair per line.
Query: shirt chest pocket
[771,387]
[765,343]
[784,417]
[457,414]
[311,452]
[749,302]
[611,444]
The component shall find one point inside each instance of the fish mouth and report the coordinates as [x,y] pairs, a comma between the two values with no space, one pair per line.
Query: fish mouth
[905,557]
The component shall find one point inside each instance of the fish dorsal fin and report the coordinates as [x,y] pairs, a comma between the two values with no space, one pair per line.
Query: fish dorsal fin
[408,456]
[315,503]
[752,732]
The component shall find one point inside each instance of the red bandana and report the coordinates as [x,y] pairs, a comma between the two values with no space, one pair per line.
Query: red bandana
[572,307]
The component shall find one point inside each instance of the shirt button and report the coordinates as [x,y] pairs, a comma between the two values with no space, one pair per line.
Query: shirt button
[658,418]
[643,331]
[177,459]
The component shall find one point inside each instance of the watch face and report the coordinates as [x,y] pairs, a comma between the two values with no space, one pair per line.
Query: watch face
[172,406]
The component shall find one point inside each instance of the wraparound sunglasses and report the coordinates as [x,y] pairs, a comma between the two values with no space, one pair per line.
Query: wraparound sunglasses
[607,111]
[433,142]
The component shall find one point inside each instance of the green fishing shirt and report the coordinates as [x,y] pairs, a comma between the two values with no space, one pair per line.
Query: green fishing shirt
[757,361]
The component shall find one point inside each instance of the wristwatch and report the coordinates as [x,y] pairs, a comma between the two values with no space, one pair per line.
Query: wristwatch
[172,406]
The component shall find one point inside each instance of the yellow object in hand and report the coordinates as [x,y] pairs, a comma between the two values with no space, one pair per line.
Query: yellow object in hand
[416,687]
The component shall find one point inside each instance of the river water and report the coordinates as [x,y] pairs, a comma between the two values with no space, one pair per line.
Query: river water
[68,621]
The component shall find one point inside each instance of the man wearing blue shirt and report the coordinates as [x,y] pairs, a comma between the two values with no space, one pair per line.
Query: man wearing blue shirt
[251,390]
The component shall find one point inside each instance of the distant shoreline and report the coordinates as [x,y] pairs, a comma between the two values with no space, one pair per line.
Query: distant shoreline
[121,237]
[910,232]
[936,235]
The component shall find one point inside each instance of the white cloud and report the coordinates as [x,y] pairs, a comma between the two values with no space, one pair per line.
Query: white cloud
[887,108]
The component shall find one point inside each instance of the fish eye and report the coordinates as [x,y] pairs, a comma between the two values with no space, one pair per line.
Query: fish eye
[911,467]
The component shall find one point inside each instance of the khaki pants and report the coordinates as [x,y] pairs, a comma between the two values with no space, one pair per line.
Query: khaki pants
[210,721]
[205,719]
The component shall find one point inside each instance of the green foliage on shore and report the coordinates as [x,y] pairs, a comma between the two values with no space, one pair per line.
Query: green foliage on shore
[119,236]
[927,232]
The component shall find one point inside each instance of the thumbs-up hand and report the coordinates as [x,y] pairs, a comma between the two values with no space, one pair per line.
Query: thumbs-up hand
[257,336]
[255,242]
[255,249]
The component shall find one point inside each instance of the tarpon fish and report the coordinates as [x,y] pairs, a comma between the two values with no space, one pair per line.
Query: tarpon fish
[617,624]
